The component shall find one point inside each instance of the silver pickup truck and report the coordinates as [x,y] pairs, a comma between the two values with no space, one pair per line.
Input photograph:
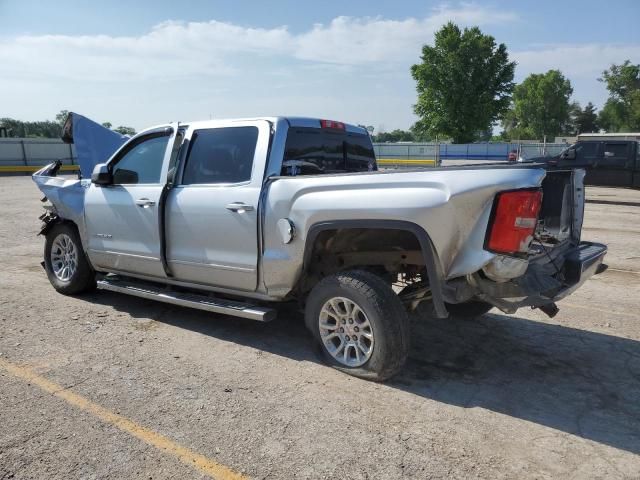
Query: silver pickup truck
[235,216]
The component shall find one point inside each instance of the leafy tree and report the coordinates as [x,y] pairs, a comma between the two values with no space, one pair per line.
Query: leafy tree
[394,136]
[20,129]
[61,117]
[586,120]
[540,106]
[621,112]
[420,135]
[125,130]
[464,84]
[571,126]
[502,137]
[484,135]
[47,128]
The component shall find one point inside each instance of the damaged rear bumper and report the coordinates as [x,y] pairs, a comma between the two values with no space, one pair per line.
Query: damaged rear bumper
[543,283]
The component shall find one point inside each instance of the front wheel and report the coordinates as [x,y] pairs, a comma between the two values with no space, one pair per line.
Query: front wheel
[360,323]
[67,267]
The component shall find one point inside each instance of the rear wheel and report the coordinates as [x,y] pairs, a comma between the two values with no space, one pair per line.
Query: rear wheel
[360,323]
[67,267]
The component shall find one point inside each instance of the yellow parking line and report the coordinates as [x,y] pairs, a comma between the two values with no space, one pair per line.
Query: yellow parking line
[28,168]
[600,310]
[189,457]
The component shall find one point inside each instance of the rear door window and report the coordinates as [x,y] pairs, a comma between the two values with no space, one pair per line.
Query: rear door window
[313,151]
[220,155]
[616,154]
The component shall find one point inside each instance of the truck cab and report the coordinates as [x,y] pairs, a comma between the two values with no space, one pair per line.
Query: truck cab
[609,161]
[181,202]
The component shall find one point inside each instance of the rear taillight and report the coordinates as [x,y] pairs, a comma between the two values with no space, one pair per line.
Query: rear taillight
[332,124]
[514,221]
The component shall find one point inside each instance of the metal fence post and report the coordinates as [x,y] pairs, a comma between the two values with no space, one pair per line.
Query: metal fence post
[24,152]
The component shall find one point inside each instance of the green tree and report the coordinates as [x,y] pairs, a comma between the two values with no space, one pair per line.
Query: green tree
[621,112]
[571,126]
[540,106]
[42,129]
[61,117]
[586,120]
[125,130]
[394,136]
[464,84]
[420,135]
[107,124]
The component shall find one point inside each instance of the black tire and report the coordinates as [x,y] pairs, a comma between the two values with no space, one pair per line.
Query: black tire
[384,312]
[469,309]
[83,278]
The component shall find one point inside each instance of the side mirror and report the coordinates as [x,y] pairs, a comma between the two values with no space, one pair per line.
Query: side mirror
[569,154]
[101,175]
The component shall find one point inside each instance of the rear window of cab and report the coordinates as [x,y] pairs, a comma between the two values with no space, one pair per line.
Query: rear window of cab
[314,151]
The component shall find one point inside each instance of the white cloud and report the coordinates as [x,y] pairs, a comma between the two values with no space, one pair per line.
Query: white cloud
[182,49]
[574,60]
[357,41]
[356,69]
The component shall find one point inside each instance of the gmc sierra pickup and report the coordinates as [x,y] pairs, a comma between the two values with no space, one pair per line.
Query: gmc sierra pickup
[235,216]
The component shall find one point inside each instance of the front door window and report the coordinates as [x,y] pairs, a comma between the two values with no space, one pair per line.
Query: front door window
[142,163]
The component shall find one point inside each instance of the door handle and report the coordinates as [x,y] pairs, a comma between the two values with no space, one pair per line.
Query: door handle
[145,203]
[239,207]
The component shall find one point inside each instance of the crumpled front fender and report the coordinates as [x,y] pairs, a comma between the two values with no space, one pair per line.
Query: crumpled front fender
[65,194]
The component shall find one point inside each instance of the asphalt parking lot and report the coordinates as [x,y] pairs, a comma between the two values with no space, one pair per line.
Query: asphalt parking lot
[107,386]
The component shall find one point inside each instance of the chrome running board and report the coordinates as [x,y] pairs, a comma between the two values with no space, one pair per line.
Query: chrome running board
[192,300]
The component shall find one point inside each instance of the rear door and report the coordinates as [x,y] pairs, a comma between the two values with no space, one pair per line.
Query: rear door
[615,166]
[212,211]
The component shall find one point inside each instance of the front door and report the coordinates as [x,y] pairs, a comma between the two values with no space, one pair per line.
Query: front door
[122,218]
[212,211]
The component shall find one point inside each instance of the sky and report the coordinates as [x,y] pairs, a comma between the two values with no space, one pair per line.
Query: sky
[142,63]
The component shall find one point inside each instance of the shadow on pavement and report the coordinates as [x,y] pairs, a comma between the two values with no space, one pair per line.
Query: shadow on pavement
[579,382]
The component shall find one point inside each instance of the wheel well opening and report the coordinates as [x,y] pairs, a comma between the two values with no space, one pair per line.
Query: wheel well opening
[390,253]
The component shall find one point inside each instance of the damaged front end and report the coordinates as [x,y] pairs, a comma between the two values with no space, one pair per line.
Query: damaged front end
[93,144]
[65,197]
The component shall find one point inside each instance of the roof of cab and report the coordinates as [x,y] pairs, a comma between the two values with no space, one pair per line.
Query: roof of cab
[308,122]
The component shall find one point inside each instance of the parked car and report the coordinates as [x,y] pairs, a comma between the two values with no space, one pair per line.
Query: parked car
[608,162]
[235,216]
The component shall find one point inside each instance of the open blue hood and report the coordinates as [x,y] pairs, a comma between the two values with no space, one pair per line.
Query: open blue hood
[94,143]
